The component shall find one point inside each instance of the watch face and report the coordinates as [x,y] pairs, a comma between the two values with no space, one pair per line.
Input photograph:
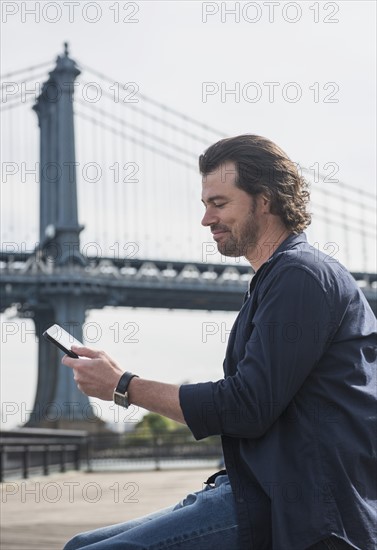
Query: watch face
[121,400]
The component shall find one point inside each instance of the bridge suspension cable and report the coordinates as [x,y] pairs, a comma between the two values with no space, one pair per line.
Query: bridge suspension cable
[136,141]
[25,70]
[343,185]
[141,131]
[155,118]
[162,106]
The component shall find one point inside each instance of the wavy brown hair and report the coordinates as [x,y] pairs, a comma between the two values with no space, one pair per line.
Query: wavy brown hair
[262,167]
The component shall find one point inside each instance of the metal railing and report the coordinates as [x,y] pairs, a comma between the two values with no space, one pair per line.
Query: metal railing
[40,451]
[136,450]
[32,451]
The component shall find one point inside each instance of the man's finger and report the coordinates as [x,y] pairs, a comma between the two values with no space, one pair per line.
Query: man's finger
[85,352]
[68,361]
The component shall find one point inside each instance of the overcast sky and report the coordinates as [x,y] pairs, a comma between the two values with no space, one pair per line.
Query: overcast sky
[313,64]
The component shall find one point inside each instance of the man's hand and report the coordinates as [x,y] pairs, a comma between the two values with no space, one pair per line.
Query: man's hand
[97,375]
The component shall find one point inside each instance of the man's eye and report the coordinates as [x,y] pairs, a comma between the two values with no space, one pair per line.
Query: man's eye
[217,205]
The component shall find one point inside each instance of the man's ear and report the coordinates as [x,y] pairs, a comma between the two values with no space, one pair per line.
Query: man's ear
[265,203]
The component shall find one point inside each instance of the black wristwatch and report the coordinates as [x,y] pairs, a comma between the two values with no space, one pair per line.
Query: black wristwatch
[120,394]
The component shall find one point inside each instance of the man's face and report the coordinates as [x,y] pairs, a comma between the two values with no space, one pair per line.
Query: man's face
[234,217]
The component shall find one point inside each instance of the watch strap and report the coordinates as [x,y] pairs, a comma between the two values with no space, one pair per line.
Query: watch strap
[124,380]
[120,393]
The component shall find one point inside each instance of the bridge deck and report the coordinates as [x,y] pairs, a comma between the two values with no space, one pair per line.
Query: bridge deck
[43,513]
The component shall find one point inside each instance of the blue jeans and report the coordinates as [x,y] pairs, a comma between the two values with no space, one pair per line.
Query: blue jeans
[205,520]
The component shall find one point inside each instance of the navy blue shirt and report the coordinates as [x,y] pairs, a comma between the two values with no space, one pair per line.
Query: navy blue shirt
[297,408]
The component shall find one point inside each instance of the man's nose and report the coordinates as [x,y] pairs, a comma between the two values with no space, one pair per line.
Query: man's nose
[209,218]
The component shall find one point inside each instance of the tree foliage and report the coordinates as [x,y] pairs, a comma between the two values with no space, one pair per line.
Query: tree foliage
[153,424]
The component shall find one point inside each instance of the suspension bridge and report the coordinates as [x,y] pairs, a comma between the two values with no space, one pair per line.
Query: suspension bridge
[103,209]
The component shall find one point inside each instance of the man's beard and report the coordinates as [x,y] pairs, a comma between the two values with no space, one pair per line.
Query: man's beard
[246,241]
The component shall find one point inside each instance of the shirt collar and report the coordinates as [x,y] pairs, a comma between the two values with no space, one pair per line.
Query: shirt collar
[290,242]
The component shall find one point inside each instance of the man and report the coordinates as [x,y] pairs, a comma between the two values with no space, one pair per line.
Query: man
[296,409]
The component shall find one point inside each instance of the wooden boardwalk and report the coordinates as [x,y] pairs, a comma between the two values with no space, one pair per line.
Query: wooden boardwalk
[43,513]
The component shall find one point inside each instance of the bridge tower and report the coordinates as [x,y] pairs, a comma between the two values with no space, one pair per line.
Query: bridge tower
[58,402]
